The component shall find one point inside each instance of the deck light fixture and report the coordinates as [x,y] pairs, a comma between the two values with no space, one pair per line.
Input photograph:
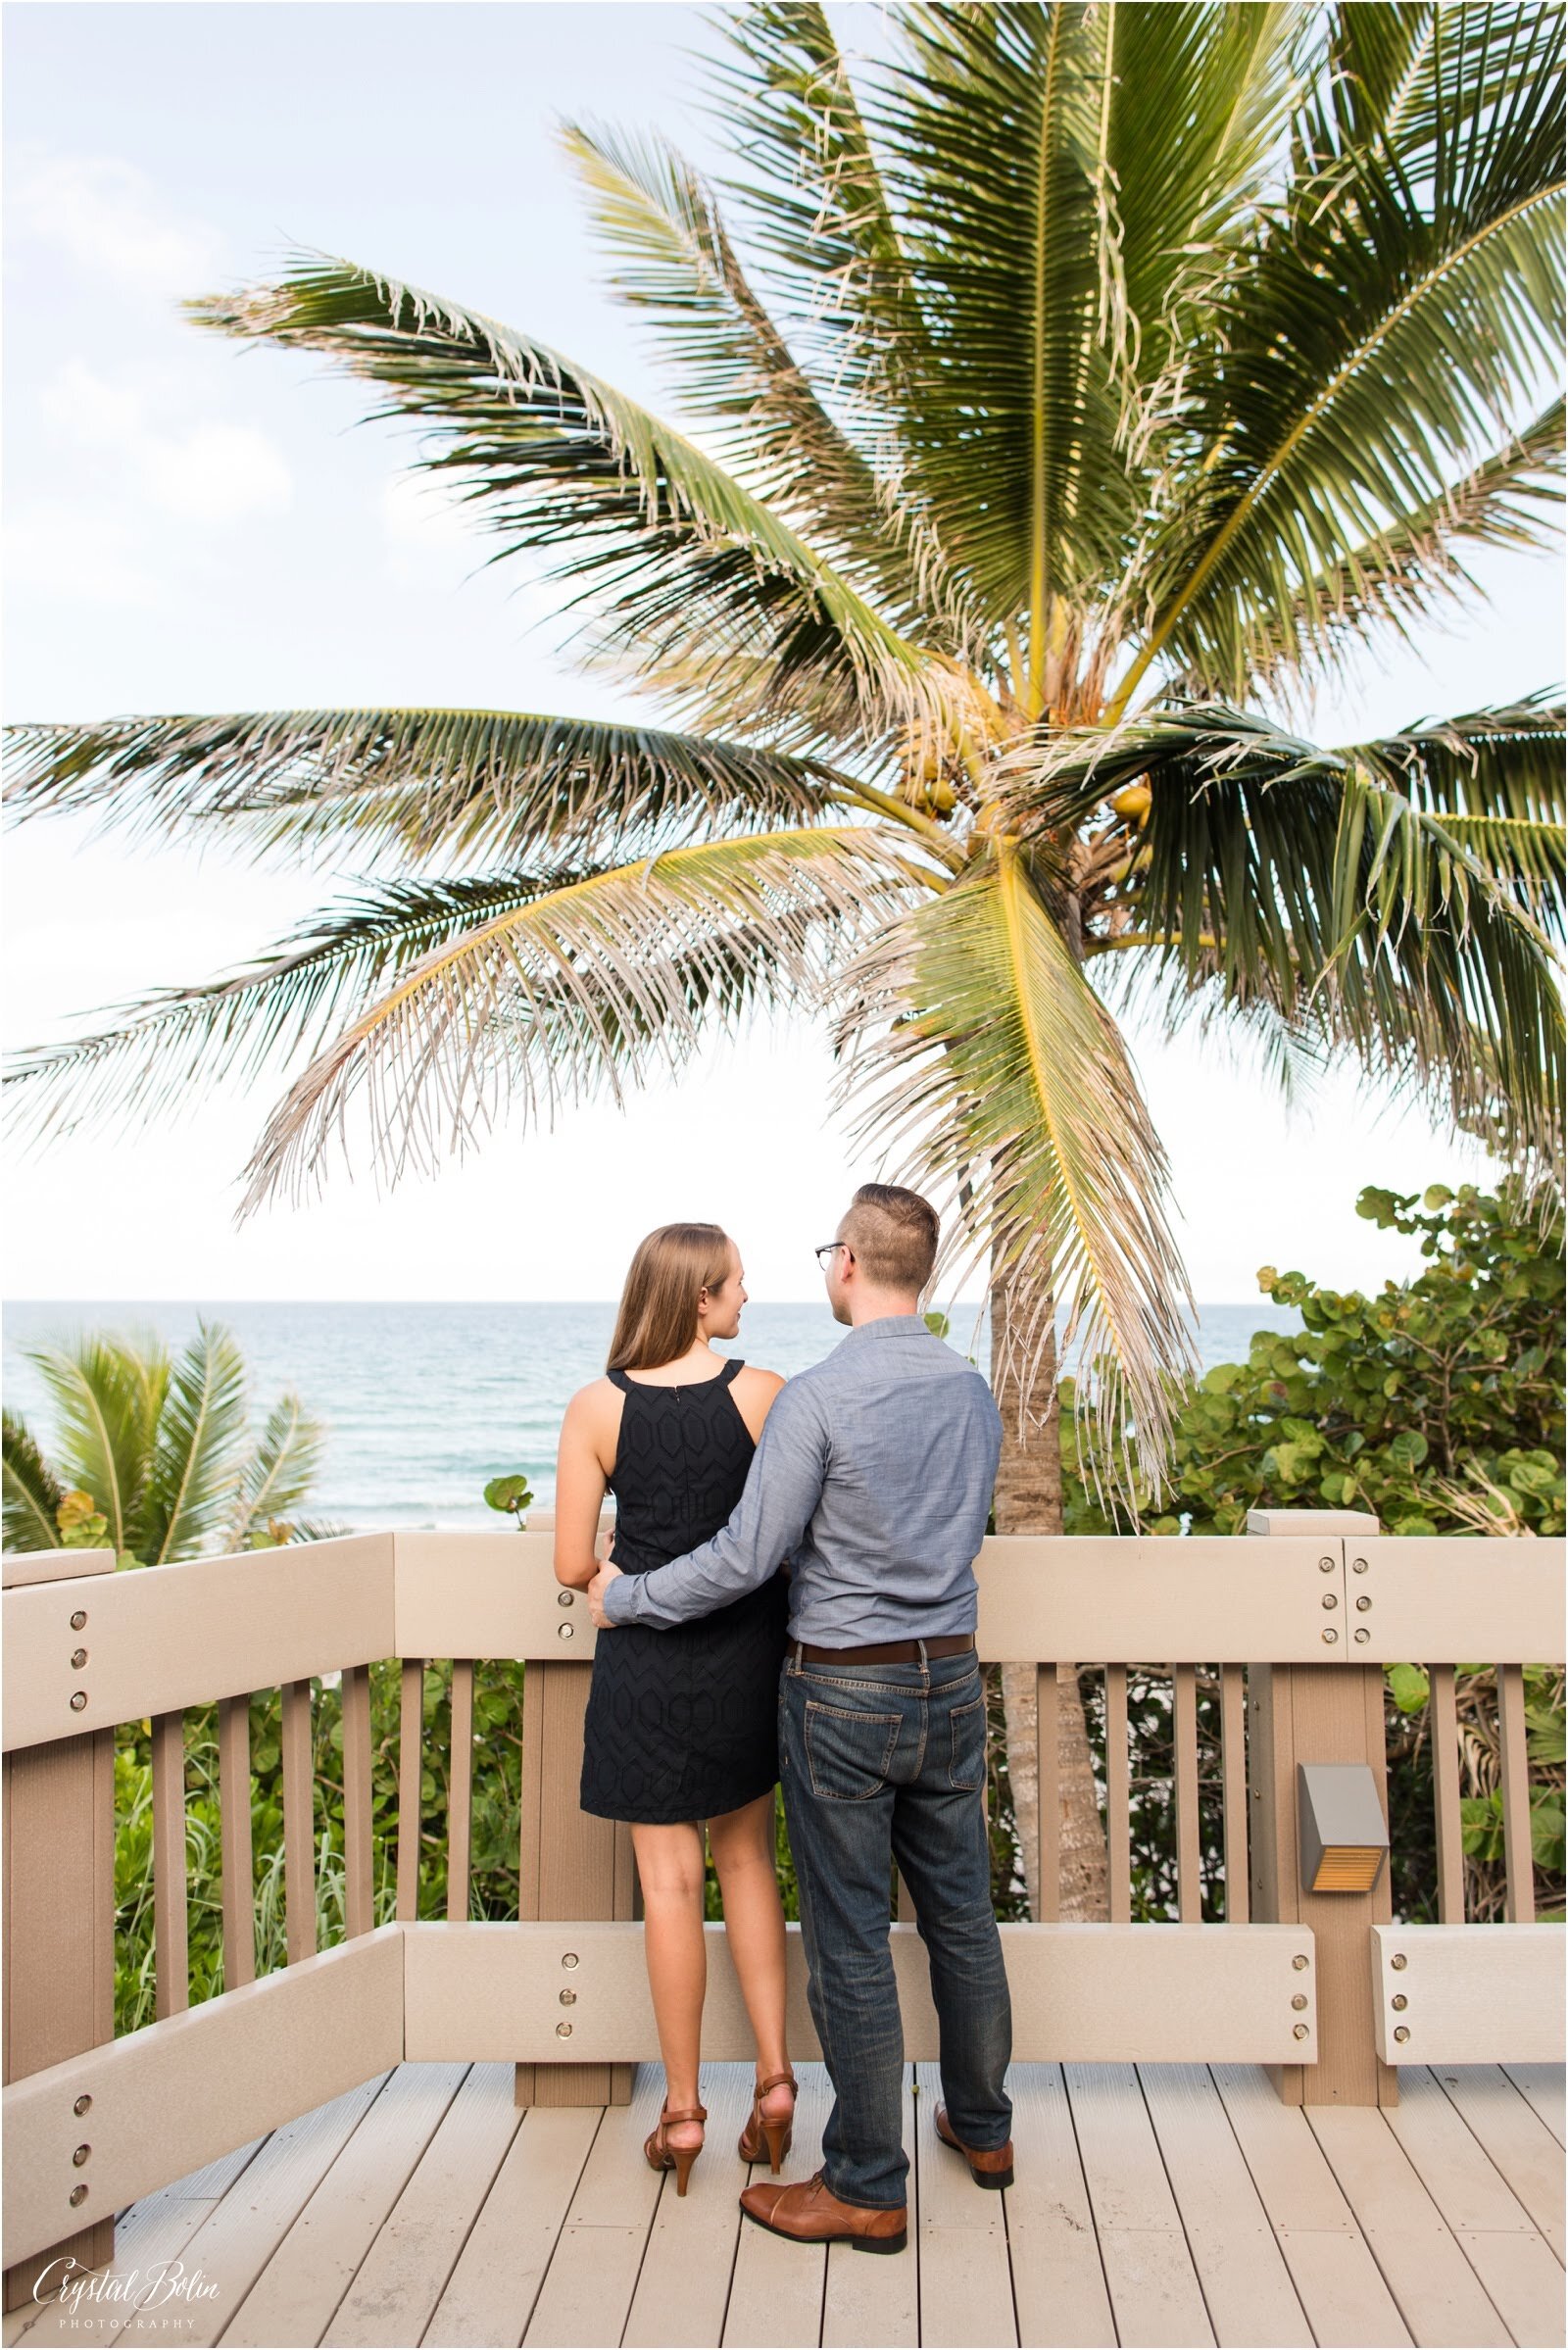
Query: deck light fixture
[1342,1835]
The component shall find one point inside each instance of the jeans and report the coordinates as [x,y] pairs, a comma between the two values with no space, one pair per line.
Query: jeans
[881,1763]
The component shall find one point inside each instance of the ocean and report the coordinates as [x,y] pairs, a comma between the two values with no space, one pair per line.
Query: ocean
[423,1403]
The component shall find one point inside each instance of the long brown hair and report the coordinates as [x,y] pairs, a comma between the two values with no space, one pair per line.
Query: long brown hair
[656,1322]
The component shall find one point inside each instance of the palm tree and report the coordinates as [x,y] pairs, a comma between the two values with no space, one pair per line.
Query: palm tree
[154,1455]
[1095,376]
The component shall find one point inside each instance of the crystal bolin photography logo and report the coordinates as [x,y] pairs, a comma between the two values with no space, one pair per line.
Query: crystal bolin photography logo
[78,2292]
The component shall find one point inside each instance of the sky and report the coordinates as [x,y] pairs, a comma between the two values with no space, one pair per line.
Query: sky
[191,525]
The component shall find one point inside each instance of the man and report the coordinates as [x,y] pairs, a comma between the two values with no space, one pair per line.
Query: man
[873,1476]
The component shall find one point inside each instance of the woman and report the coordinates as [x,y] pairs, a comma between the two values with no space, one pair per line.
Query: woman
[681,1727]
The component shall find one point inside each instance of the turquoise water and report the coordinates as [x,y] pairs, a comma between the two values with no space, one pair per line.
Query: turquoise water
[425,1402]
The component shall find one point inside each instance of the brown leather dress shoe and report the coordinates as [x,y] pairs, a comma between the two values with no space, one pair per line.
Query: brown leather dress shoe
[985,2168]
[808,2214]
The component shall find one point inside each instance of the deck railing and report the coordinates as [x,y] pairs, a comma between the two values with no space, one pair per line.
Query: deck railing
[1292,1626]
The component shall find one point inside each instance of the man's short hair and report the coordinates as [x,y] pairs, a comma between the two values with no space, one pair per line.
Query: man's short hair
[893,1234]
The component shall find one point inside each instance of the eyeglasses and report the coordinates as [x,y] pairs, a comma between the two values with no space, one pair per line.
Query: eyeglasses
[827,1250]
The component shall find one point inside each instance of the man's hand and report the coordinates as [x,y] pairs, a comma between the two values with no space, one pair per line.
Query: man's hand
[595,1595]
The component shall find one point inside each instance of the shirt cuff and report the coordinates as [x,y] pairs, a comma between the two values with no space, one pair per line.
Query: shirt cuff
[621,1612]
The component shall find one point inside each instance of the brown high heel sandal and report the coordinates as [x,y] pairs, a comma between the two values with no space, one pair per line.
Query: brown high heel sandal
[759,2131]
[663,2156]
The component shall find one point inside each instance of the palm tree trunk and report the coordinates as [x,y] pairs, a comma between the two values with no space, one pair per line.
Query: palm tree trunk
[1028,1500]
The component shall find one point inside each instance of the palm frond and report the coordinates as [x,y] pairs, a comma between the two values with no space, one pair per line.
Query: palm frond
[558,461]
[33,1491]
[1330,883]
[411,784]
[1373,347]
[977,1054]
[106,1395]
[279,1469]
[585,988]
[200,1447]
[170,1047]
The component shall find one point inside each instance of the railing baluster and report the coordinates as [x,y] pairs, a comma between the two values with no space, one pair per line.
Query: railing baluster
[170,1923]
[299,1821]
[1050,1793]
[1232,1781]
[411,1773]
[1443,1728]
[358,1895]
[239,1875]
[460,1788]
[1118,1798]
[1189,1857]
[1520,1909]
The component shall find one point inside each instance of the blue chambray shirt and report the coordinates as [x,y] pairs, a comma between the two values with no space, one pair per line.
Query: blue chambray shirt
[874,1477]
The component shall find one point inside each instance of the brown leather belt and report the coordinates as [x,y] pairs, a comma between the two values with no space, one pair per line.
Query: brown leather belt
[886,1652]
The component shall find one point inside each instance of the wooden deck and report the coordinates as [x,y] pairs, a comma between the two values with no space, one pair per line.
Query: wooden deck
[1157,2204]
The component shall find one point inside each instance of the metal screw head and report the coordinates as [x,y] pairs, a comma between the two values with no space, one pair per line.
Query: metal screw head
[81,2155]
[79,1698]
[1299,1999]
[566,1632]
[1298,1961]
[569,1958]
[1329,1600]
[79,1657]
[82,2105]
[1324,1566]
[567,1998]
[78,1617]
[1402,2032]
[1300,2031]
[1331,1633]
[1361,1632]
[562,2031]
[565,1598]
[1399,2000]
[1358,1566]
[1399,1961]
[1363,1605]
[79,2194]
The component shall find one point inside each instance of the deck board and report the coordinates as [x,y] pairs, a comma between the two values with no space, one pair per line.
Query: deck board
[1516,2137]
[1182,2202]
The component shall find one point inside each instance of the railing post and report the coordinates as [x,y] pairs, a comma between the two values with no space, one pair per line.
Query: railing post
[59,1905]
[573,1865]
[1328,1713]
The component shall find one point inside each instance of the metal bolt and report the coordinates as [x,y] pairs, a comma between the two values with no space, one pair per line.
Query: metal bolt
[79,1657]
[1399,1961]
[568,1999]
[1300,2031]
[569,1958]
[82,2105]
[562,2031]
[79,2194]
[1324,1566]
[1298,1961]
[1402,2032]
[565,1598]
[566,1632]
[1361,1632]
[1329,1600]
[1257,1794]
[1299,1999]
[79,1698]
[1363,1605]
[78,1618]
[1358,1566]
[1331,1633]
[81,2155]
[1399,2000]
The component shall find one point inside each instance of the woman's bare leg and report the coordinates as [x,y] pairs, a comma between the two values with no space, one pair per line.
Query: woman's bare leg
[746,1859]
[669,1867]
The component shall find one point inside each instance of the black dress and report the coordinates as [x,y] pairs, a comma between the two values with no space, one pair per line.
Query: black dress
[682,1724]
